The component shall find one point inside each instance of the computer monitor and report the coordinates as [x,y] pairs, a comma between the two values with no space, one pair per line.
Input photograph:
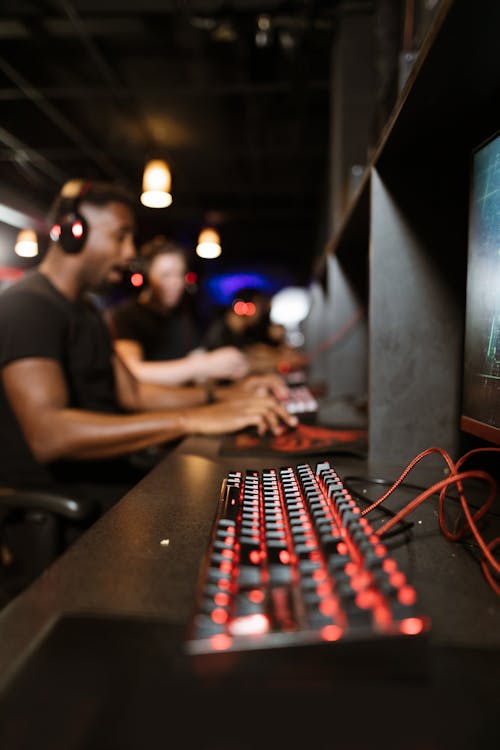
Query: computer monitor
[481,376]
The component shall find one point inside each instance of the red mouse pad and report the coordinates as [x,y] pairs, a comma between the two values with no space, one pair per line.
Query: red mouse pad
[304,440]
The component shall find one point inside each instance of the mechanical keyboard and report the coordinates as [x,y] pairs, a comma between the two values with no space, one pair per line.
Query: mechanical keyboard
[292,562]
[300,400]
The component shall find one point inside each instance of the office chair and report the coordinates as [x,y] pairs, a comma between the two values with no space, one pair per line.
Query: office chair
[35,528]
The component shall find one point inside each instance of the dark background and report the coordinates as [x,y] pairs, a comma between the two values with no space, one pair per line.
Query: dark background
[236,96]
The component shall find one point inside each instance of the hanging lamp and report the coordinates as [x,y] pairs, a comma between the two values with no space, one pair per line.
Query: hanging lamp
[156,184]
[208,243]
[26,244]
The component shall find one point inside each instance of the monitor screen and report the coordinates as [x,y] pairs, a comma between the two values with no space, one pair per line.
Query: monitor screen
[481,377]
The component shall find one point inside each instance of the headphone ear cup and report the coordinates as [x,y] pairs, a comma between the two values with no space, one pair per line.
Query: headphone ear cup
[72,232]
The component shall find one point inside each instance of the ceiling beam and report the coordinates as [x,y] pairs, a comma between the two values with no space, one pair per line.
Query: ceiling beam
[8,94]
[104,68]
[19,153]
[61,121]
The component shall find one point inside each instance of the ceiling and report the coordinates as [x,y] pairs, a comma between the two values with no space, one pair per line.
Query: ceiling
[238,105]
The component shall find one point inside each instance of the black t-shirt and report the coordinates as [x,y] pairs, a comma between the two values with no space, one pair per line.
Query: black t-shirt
[163,336]
[36,320]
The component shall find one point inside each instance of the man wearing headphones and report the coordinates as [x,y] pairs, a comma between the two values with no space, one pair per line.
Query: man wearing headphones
[72,416]
[155,332]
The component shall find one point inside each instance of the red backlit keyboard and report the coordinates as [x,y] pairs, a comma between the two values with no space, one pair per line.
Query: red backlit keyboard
[291,561]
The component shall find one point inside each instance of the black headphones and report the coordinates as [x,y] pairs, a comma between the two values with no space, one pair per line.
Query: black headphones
[70,229]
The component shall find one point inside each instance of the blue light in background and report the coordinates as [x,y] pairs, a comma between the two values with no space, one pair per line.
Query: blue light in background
[221,288]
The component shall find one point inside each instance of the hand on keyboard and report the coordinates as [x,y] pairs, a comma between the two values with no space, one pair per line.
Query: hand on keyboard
[269,384]
[265,413]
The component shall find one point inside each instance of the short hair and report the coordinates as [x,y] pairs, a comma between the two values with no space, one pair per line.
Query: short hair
[75,192]
[161,245]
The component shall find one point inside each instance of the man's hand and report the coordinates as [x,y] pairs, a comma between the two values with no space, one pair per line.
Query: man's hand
[265,358]
[224,363]
[262,412]
[269,384]
[227,362]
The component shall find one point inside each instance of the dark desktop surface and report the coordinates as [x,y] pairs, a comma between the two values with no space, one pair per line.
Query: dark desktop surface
[92,655]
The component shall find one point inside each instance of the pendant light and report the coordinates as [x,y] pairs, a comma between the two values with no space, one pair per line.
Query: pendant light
[208,243]
[156,184]
[26,244]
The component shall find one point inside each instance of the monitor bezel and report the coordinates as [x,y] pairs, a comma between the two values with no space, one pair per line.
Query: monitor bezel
[482,430]
[487,432]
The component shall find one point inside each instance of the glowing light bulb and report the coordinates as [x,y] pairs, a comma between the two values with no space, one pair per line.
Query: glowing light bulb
[208,244]
[26,244]
[156,184]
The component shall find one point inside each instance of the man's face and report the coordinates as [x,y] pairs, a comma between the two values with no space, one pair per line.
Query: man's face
[166,279]
[109,247]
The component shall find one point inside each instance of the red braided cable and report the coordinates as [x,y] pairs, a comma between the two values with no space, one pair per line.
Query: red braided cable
[470,525]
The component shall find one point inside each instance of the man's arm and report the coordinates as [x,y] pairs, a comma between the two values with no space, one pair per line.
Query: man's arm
[171,372]
[266,384]
[224,363]
[37,392]
[136,395]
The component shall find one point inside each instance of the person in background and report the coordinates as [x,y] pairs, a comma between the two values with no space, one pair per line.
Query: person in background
[72,415]
[155,334]
[246,324]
